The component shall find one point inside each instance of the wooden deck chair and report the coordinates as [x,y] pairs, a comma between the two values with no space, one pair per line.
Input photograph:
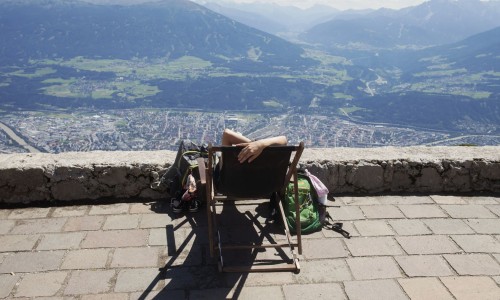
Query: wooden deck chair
[269,173]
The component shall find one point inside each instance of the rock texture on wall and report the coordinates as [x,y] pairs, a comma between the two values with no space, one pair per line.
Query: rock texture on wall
[96,175]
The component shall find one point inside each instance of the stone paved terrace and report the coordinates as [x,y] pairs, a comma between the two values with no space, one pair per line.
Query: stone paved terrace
[402,247]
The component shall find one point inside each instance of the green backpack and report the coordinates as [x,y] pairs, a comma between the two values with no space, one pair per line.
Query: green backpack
[309,213]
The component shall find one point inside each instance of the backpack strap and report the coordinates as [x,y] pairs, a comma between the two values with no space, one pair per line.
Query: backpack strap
[337,227]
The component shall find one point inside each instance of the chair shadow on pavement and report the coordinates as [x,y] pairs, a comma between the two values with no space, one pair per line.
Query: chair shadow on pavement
[189,270]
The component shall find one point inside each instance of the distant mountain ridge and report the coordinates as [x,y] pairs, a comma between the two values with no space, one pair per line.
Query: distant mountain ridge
[435,22]
[169,28]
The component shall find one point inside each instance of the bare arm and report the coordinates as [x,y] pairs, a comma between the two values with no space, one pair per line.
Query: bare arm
[251,150]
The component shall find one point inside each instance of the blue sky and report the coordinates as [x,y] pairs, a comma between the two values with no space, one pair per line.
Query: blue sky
[339,4]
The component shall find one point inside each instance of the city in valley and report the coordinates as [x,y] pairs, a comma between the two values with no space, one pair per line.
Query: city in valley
[161,129]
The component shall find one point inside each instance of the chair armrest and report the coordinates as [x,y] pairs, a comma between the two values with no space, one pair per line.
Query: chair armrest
[202,168]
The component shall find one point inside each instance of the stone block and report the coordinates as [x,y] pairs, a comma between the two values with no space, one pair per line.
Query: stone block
[34,226]
[133,280]
[7,284]
[430,180]
[424,265]
[428,244]
[332,291]
[409,227]
[425,288]
[84,223]
[485,226]
[121,222]
[135,257]
[86,259]
[374,290]
[28,262]
[373,228]
[367,177]
[69,211]
[6,226]
[363,268]
[90,282]
[115,238]
[41,284]
[71,190]
[321,271]
[373,246]
[422,211]
[477,243]
[29,213]
[18,242]
[468,211]
[56,241]
[324,248]
[473,264]
[465,287]
[448,226]
[110,209]
[382,212]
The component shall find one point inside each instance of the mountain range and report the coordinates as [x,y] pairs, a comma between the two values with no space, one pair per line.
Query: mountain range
[379,66]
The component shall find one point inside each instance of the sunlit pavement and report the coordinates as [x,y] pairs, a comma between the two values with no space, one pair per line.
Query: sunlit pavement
[401,247]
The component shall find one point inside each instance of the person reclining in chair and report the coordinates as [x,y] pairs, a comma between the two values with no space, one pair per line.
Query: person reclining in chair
[251,149]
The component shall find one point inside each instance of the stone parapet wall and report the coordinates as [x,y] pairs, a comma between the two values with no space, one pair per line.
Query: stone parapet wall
[34,177]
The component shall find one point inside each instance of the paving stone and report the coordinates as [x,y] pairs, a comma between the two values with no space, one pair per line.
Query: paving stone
[84,223]
[402,200]
[7,283]
[409,227]
[115,238]
[190,278]
[346,213]
[259,279]
[121,222]
[169,294]
[467,288]
[86,259]
[477,243]
[359,200]
[318,271]
[448,199]
[485,226]
[494,209]
[497,279]
[324,248]
[372,246]
[6,226]
[69,211]
[157,237]
[38,226]
[332,291]
[468,211]
[41,284]
[448,226]
[135,257]
[18,242]
[32,262]
[424,265]
[192,255]
[242,293]
[373,228]
[55,241]
[431,244]
[473,264]
[29,213]
[481,200]
[109,209]
[497,256]
[114,296]
[422,211]
[89,282]
[382,212]
[142,208]
[4,213]
[374,290]
[155,221]
[425,288]
[133,280]
[373,268]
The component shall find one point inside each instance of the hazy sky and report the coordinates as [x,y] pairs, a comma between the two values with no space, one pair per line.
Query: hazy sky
[339,4]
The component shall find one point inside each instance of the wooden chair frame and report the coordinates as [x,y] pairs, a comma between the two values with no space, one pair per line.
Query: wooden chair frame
[212,197]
